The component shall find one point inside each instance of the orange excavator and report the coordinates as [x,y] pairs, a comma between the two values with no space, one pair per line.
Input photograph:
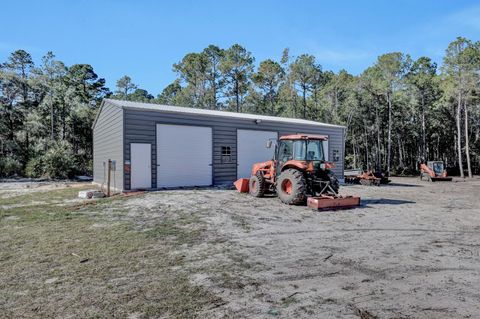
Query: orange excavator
[298,174]
[434,171]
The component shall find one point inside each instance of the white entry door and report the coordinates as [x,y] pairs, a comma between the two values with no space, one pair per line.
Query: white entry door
[251,146]
[140,165]
[184,155]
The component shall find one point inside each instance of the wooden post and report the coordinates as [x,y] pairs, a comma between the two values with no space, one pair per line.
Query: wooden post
[109,167]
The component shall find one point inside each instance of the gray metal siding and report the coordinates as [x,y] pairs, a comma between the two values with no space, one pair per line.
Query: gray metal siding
[140,127]
[108,144]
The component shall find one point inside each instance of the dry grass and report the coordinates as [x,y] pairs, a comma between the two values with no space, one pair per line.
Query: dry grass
[71,261]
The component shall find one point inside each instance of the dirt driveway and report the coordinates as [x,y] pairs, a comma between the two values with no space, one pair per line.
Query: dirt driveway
[411,251]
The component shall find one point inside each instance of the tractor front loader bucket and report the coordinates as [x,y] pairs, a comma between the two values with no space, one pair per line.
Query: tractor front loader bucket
[242,185]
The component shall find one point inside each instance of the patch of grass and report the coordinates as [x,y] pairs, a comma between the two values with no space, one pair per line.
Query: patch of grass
[287,301]
[38,205]
[225,280]
[52,205]
[239,260]
[56,263]
[234,282]
[184,229]
[42,196]
[179,298]
[169,230]
[241,222]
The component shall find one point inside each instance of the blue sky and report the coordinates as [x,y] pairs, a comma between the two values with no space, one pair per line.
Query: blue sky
[144,38]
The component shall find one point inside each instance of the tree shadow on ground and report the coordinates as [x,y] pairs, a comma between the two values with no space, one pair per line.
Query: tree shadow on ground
[384,201]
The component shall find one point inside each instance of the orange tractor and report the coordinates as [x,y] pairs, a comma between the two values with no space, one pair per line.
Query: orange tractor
[299,174]
[434,171]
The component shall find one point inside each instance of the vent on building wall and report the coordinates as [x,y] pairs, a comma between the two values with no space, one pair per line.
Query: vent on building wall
[336,155]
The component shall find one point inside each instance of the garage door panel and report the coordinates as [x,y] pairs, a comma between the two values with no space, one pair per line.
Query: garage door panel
[252,149]
[184,155]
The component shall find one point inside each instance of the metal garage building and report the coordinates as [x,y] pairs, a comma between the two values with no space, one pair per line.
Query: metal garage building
[155,146]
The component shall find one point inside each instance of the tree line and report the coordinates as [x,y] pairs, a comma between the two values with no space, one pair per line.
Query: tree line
[46,114]
[398,112]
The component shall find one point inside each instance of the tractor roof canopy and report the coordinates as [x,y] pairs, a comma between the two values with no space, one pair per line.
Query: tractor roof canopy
[304,137]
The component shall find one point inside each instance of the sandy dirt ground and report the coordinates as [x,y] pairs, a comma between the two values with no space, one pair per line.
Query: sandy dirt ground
[412,250]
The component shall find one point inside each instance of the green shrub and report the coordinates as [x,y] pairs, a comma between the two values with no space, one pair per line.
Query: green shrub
[35,167]
[88,169]
[9,167]
[83,166]
[59,161]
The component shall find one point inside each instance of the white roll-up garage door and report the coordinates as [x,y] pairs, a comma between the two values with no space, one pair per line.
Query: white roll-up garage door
[184,155]
[251,149]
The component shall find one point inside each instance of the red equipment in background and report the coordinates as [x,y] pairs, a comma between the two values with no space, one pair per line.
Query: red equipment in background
[434,171]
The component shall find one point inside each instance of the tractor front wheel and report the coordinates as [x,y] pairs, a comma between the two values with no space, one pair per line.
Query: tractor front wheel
[256,185]
[291,187]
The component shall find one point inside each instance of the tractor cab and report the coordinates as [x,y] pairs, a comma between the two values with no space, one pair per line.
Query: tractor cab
[304,150]
[436,167]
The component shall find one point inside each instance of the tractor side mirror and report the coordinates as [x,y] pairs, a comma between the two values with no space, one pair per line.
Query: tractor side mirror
[269,144]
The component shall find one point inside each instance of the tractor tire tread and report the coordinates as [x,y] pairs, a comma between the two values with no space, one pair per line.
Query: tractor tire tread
[299,189]
[260,189]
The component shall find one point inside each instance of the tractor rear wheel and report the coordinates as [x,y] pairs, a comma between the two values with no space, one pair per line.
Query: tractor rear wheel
[256,185]
[291,188]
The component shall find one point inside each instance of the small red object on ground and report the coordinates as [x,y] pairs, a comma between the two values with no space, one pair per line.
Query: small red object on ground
[333,202]
[242,185]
